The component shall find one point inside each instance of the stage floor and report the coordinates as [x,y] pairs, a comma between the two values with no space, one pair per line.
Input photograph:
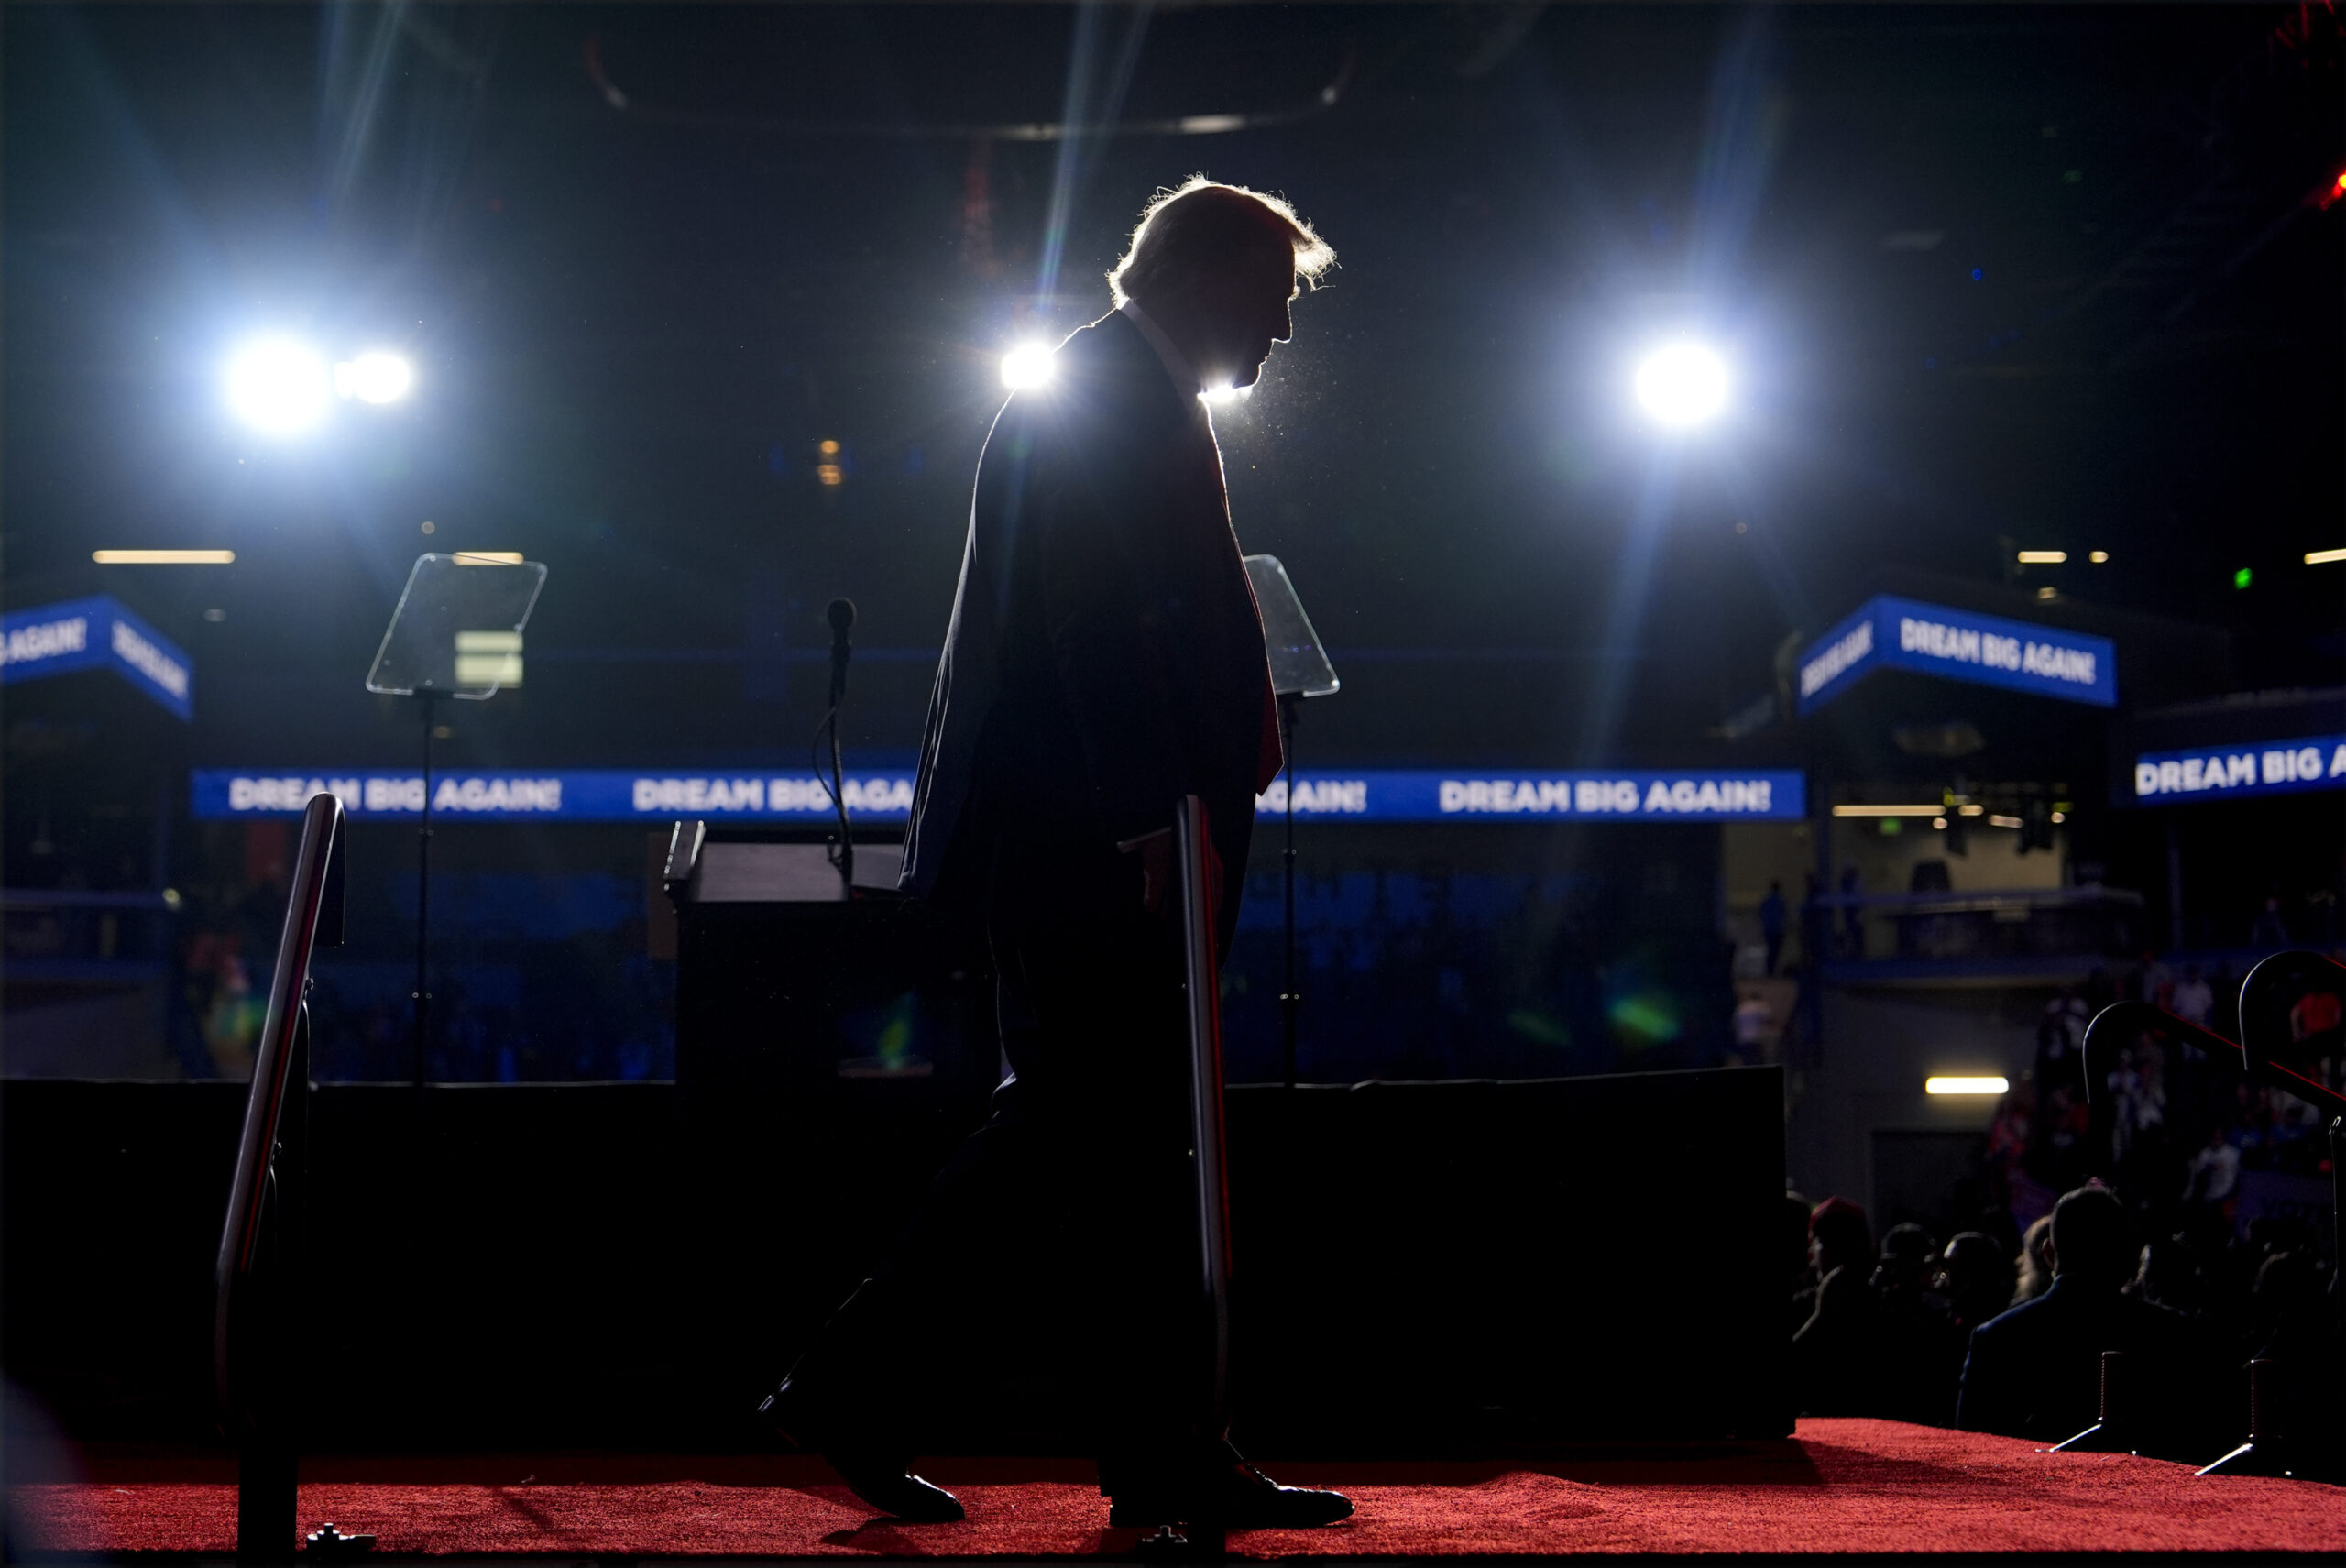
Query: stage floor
[1844,1487]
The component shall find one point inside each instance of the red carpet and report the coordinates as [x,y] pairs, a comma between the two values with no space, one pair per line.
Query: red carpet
[1841,1485]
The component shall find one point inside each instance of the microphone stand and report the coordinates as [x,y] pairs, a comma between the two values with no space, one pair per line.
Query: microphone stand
[842,618]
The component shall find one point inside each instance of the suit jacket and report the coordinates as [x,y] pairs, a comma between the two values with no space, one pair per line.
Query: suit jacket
[1105,655]
[2036,1370]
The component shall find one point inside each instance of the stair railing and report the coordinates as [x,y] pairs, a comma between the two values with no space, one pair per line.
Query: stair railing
[2268,997]
[256,1318]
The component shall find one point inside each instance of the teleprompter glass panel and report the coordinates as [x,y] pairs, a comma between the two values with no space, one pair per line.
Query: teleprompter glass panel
[1299,665]
[457,630]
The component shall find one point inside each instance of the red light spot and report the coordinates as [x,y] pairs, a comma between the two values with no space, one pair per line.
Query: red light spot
[2341,182]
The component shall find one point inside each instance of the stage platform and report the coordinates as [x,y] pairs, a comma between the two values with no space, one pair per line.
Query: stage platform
[1844,1487]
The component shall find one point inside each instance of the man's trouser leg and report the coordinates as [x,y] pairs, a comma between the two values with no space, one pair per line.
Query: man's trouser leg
[1062,1228]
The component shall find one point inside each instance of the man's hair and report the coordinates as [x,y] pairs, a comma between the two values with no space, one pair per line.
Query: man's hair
[1203,226]
[2091,1238]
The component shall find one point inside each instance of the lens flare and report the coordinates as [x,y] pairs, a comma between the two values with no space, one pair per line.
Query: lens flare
[278,386]
[1026,366]
[1682,385]
[375,379]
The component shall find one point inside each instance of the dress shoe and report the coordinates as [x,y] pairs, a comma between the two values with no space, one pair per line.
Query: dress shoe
[873,1471]
[1235,1497]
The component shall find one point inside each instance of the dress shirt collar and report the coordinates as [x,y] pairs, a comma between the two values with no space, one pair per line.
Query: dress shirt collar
[1177,364]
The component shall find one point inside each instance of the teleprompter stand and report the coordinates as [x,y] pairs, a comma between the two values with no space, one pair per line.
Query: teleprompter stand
[456,633]
[1299,669]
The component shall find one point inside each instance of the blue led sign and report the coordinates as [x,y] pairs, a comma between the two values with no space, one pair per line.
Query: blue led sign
[96,633]
[1887,632]
[614,795]
[2227,773]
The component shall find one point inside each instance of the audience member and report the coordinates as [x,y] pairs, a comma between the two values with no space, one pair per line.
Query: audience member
[2195,999]
[2034,1266]
[1974,1280]
[1919,1355]
[1799,1278]
[1835,1350]
[2035,1372]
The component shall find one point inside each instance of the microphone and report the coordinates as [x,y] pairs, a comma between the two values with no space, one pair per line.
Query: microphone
[841,615]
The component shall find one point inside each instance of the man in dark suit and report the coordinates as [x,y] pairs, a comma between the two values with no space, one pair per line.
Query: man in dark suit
[1105,659]
[2035,1372]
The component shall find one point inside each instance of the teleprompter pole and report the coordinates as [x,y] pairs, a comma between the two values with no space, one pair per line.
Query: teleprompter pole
[1291,999]
[423,899]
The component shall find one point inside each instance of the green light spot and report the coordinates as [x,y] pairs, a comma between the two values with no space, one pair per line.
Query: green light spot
[2243,577]
[1535,1024]
[1647,1018]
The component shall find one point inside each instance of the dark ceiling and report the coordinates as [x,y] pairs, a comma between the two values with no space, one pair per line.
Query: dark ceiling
[1992,276]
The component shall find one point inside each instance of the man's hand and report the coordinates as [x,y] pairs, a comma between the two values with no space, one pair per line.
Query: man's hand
[1156,868]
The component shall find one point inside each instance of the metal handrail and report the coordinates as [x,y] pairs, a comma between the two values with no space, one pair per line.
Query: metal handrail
[1197,872]
[2141,1018]
[2258,1015]
[259,1241]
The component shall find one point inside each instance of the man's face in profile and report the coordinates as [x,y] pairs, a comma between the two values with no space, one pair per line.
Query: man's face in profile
[1242,312]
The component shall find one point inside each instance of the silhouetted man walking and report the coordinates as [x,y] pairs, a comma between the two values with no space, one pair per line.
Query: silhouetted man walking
[1105,659]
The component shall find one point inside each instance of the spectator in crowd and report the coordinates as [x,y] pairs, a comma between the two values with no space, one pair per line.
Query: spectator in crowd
[2034,1266]
[1974,1280]
[2195,999]
[1919,1355]
[1771,924]
[2271,930]
[1755,1026]
[1835,1350]
[2035,1372]
[2214,1173]
[2137,1085]
[1800,1279]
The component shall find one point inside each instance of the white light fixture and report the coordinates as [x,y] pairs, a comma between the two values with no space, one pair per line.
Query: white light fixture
[2324,557]
[1682,385]
[1966,1086]
[164,557]
[1027,366]
[1887,810]
[278,386]
[2102,557]
[375,379]
[1219,396]
[2041,557]
[489,558]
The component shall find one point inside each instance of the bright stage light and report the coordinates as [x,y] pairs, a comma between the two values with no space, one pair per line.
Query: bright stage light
[1027,366]
[375,379]
[1965,1086]
[1220,395]
[278,386]
[1682,385]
